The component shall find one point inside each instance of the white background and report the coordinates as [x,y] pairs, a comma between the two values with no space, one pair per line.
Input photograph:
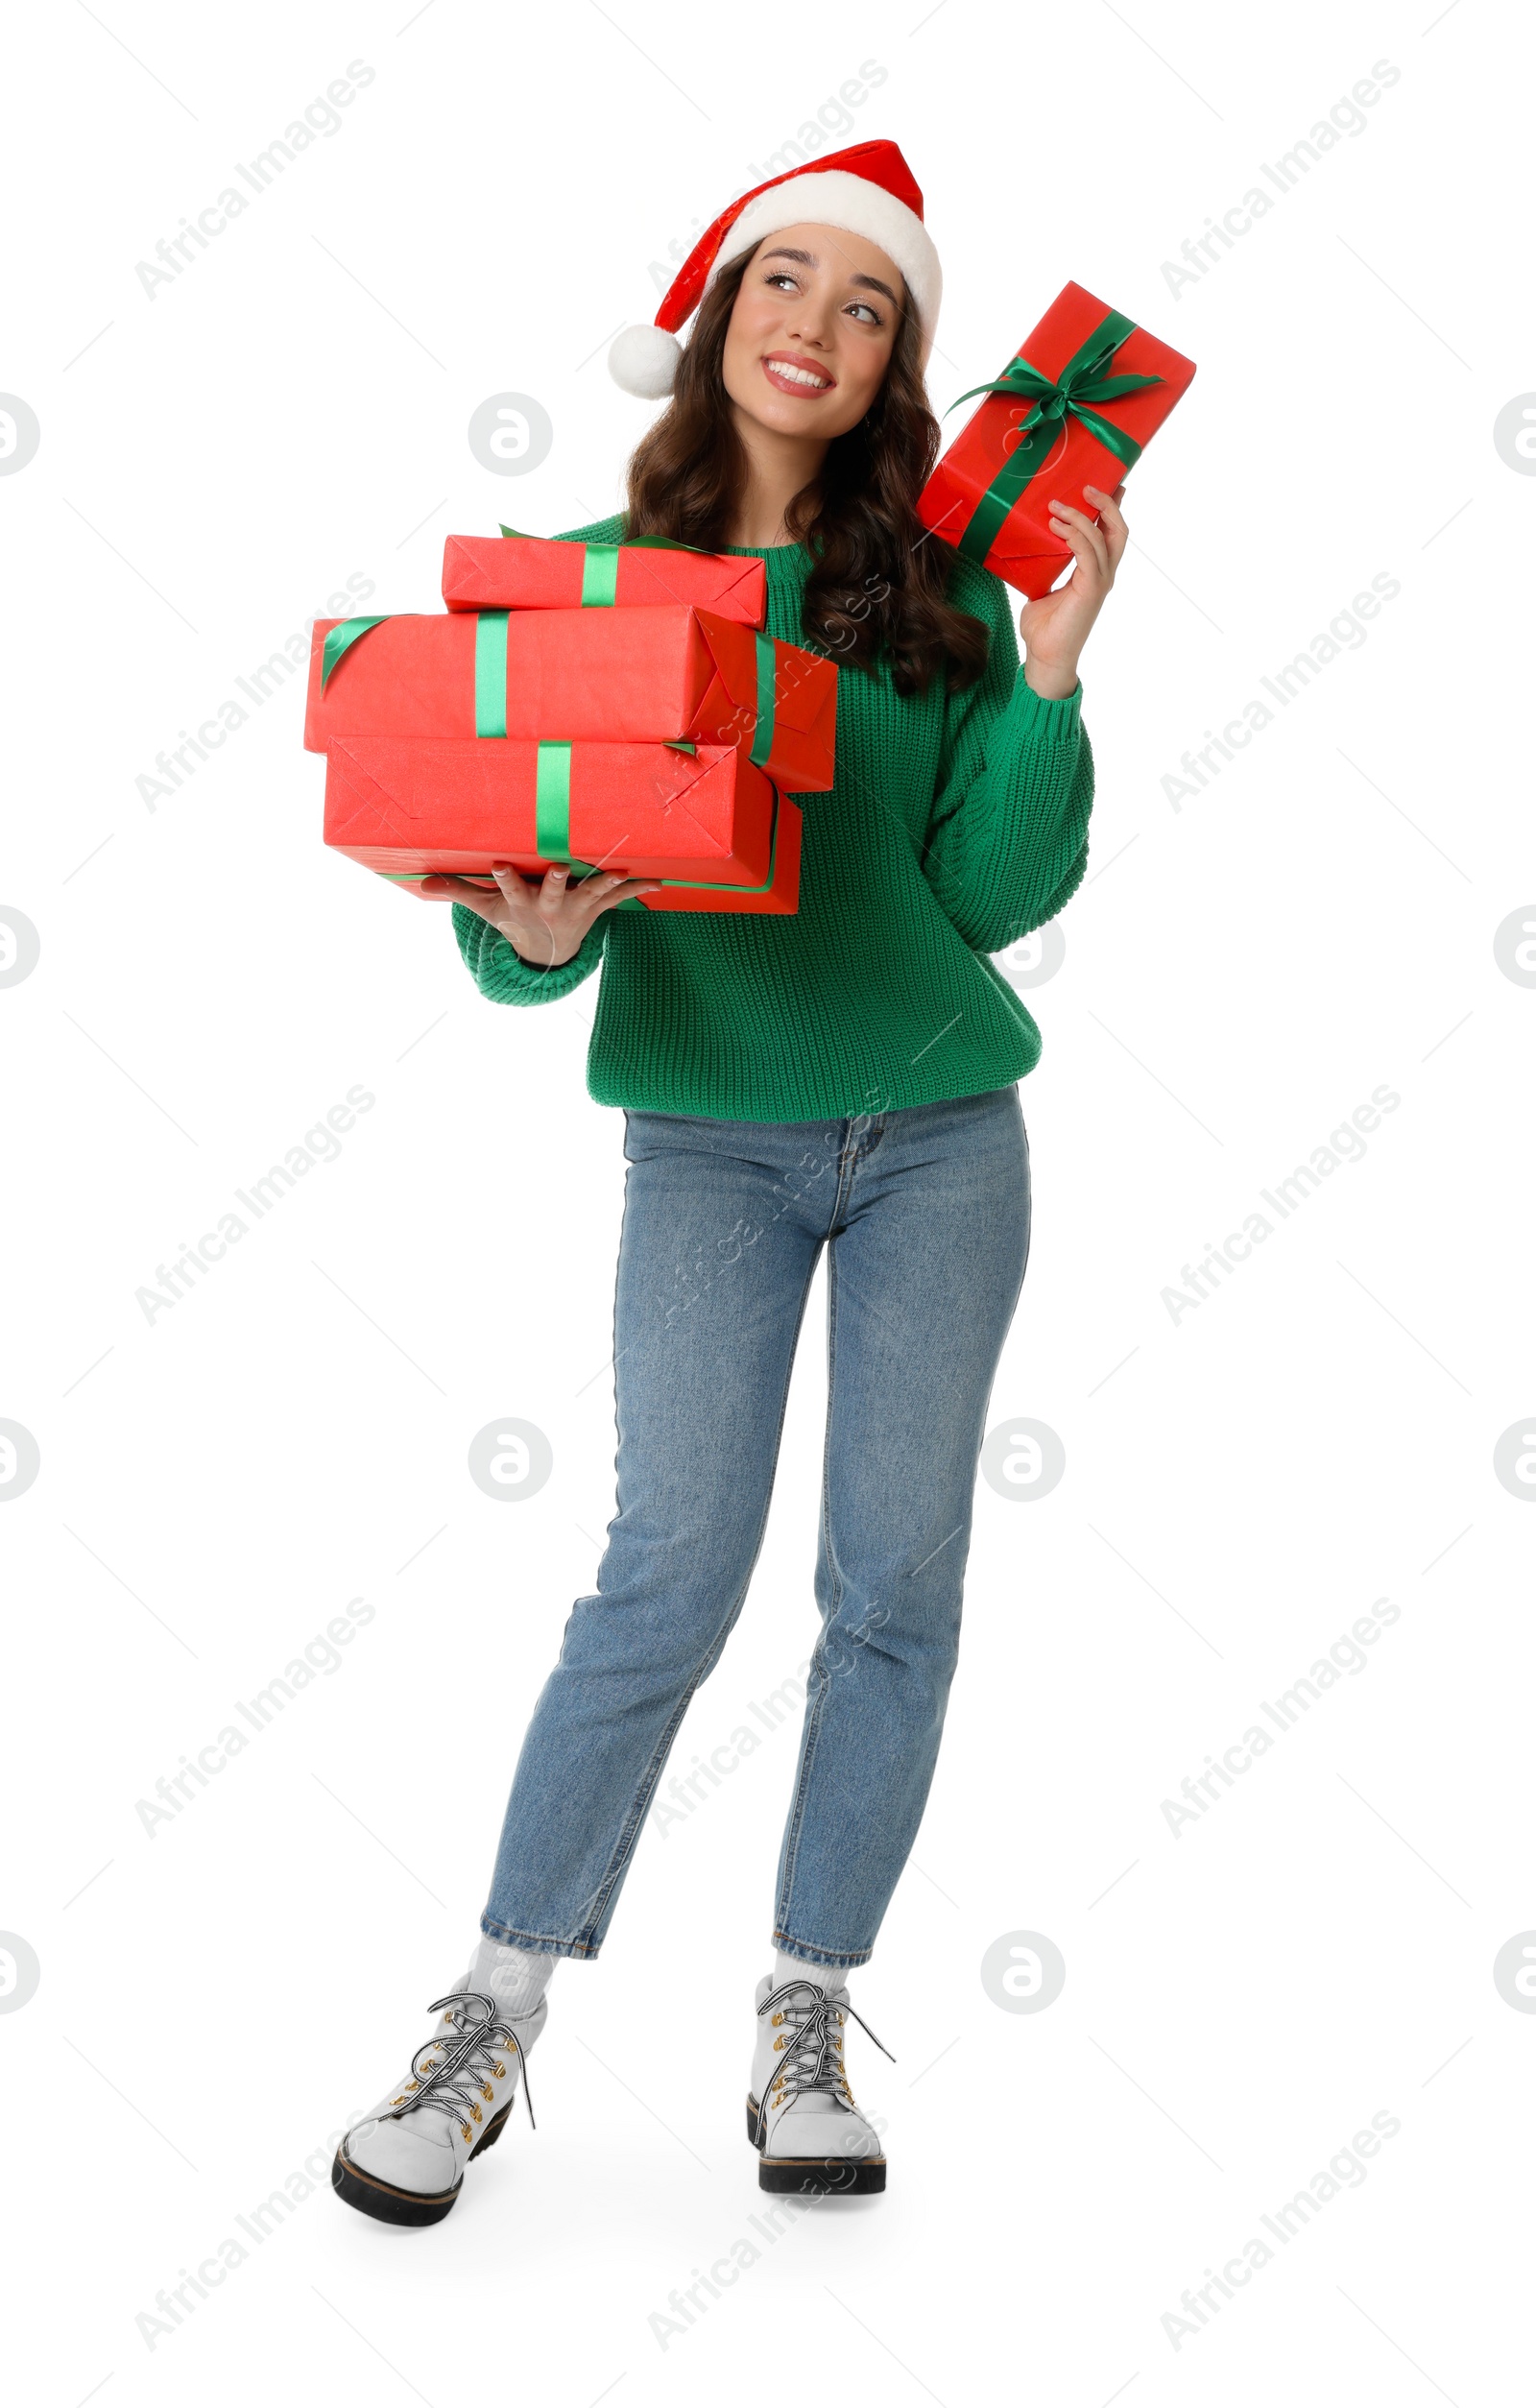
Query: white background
[1242,1484]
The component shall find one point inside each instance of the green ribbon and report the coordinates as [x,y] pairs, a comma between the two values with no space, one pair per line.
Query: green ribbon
[339,639]
[552,803]
[491,673]
[762,742]
[599,575]
[1072,392]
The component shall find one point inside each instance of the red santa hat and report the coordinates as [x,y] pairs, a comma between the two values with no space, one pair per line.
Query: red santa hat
[868,189]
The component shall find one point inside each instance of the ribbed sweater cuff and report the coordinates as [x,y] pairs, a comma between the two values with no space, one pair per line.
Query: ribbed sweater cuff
[1049,722]
[501,974]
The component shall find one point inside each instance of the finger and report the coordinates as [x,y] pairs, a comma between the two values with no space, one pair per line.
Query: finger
[1087,543]
[612,886]
[1111,518]
[439,887]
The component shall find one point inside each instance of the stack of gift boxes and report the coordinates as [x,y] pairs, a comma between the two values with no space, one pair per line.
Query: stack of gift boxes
[609,707]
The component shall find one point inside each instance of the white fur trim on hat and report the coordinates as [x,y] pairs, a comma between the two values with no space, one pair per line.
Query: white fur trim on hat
[644,360]
[835,198]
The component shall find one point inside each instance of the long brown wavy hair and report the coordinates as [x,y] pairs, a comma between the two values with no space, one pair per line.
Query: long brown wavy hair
[878,581]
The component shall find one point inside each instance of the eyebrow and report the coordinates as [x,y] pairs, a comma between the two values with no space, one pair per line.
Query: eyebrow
[871,283]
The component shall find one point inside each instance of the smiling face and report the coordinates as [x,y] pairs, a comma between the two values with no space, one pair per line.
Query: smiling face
[812,329]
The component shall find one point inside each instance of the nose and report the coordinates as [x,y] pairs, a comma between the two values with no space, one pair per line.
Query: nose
[811,323]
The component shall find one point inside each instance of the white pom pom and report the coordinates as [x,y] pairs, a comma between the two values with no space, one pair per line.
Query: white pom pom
[643,360]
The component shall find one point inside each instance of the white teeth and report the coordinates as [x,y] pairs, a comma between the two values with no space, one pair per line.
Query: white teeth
[798,376]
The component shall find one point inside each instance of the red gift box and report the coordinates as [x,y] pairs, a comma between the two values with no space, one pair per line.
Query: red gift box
[650,676]
[532,572]
[412,806]
[1075,407]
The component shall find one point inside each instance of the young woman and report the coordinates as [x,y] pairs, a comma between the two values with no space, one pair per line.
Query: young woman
[843,1077]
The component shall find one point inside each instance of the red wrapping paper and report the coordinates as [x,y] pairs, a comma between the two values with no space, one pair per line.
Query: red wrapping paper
[419,803]
[646,676]
[530,572]
[1024,552]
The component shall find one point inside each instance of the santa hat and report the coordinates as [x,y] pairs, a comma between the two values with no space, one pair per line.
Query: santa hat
[868,190]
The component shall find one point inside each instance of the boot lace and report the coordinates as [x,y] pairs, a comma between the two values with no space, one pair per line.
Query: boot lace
[812,2046]
[452,2076]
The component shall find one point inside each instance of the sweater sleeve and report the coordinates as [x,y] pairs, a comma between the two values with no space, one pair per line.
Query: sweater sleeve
[1007,837]
[502,976]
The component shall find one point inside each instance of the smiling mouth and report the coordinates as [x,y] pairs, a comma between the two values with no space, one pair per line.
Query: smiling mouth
[789,377]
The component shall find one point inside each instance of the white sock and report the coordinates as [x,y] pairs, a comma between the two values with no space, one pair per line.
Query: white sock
[830,1977]
[515,1978]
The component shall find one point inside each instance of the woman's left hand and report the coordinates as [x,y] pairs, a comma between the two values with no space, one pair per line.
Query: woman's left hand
[1055,627]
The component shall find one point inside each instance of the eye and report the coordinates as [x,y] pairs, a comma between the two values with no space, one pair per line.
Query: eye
[875,319]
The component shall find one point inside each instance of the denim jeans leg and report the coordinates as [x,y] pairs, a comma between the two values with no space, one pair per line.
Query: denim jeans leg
[925,1266]
[715,1262]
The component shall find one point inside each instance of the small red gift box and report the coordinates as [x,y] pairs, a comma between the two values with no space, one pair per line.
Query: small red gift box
[532,572]
[647,676]
[411,806]
[1075,407]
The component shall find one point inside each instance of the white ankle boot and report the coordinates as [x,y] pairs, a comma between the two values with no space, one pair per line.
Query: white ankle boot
[801,2115]
[405,2162]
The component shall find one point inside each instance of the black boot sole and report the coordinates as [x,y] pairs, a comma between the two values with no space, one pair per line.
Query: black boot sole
[819,2178]
[372,2197]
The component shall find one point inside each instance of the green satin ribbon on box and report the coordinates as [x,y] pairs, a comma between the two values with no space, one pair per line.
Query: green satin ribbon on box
[762,742]
[339,639]
[1073,392]
[491,673]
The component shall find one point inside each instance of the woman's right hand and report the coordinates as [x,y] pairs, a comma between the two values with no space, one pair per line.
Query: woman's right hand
[544,920]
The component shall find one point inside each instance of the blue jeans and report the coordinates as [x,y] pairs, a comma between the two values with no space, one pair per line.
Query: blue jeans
[924,1214]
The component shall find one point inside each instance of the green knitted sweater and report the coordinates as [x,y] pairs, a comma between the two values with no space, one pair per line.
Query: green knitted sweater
[957,823]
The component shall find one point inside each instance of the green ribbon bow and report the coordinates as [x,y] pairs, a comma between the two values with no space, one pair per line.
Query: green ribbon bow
[1073,392]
